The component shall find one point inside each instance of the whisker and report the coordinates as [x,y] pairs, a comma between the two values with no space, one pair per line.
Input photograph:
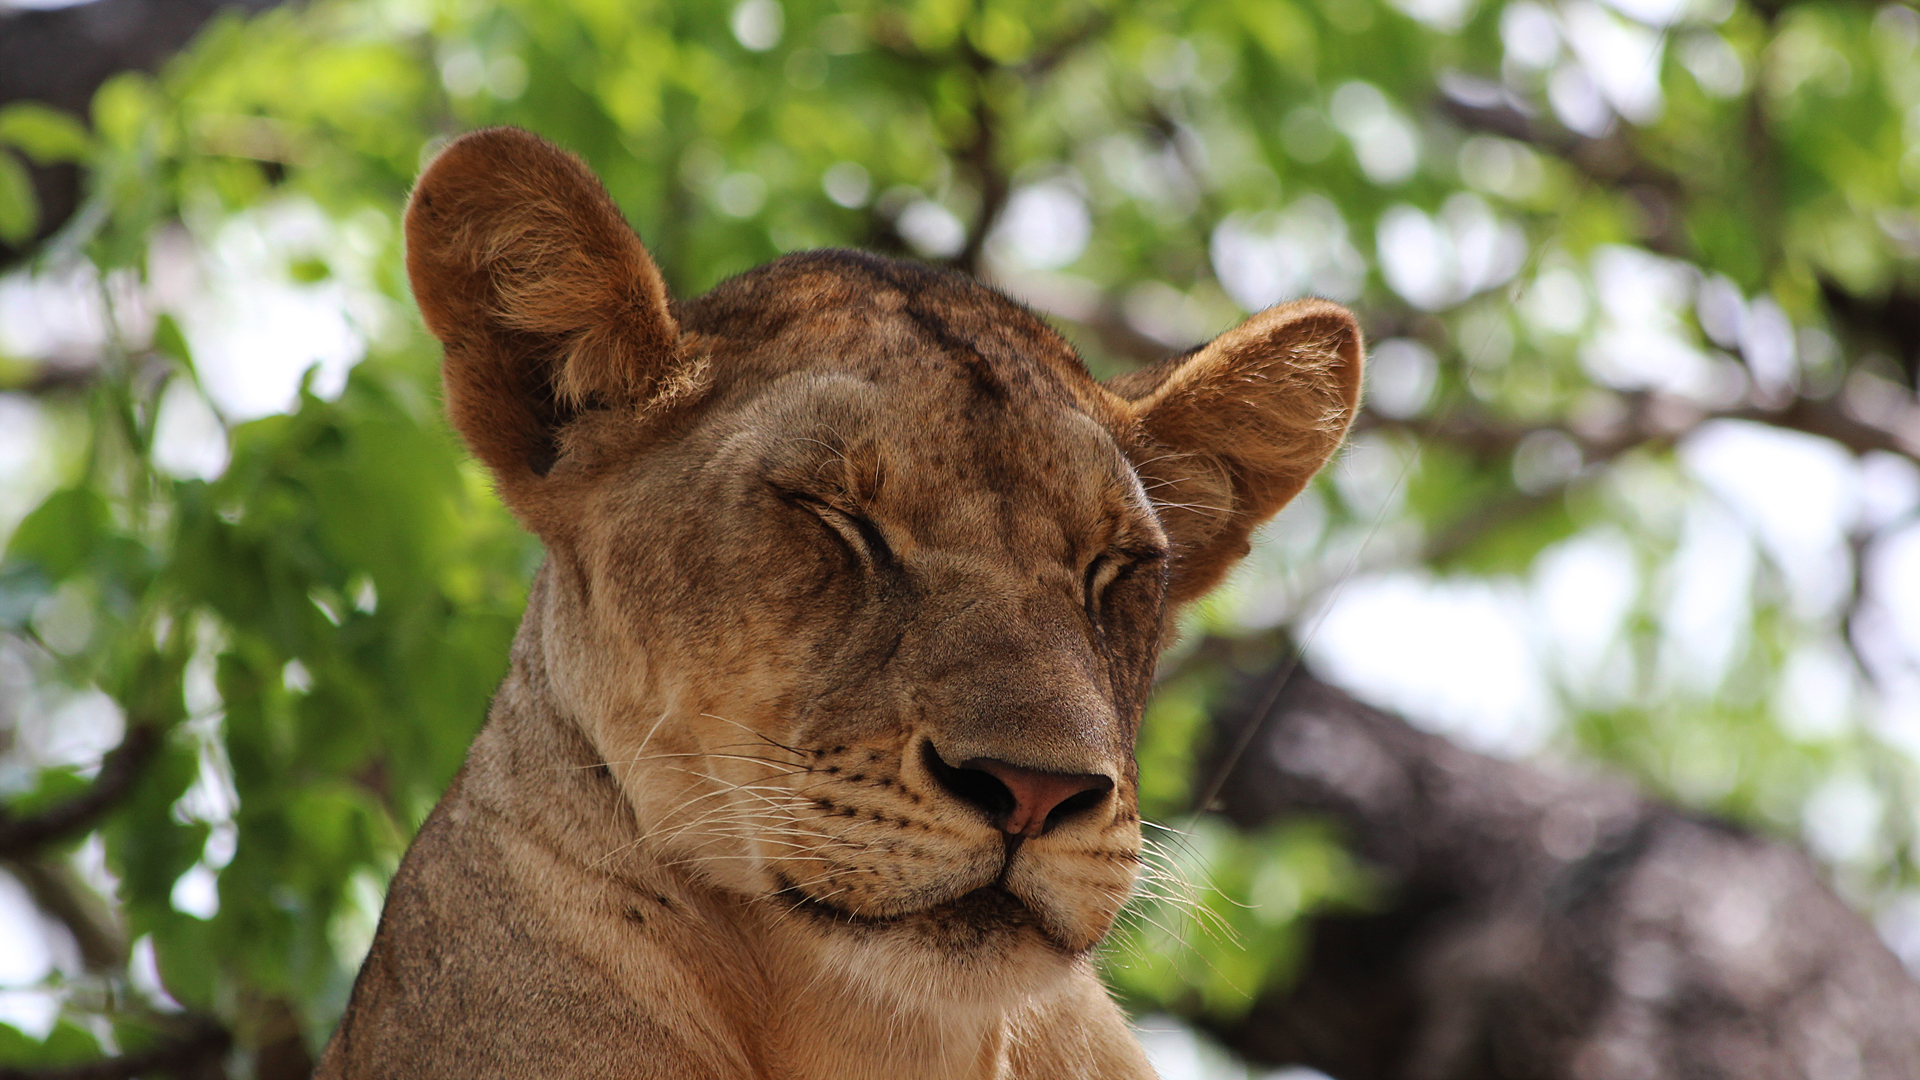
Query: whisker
[761,735]
[1158,505]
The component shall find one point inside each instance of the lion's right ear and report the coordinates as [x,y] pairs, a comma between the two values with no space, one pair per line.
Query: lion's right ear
[544,298]
[1226,435]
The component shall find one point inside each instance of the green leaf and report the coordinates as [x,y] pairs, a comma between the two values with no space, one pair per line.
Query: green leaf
[67,1044]
[50,788]
[1509,542]
[22,586]
[62,532]
[146,845]
[1170,734]
[124,106]
[45,134]
[19,207]
[1219,918]
[169,341]
[153,691]
[183,950]
[308,271]
[16,1046]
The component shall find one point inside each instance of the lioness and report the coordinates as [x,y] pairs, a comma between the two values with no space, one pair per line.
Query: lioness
[815,758]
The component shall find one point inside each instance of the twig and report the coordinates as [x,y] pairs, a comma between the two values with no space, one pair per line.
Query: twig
[1610,161]
[1041,64]
[981,155]
[58,378]
[1653,419]
[20,837]
[981,158]
[94,924]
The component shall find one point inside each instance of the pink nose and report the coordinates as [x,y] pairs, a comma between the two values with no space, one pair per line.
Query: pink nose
[1039,798]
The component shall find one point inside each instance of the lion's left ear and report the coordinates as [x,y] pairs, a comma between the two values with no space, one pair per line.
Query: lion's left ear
[547,303]
[1226,435]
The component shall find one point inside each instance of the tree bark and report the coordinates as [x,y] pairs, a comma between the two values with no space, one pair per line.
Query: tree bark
[1546,924]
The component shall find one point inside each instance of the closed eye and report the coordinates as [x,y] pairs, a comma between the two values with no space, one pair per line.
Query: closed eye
[1114,566]
[859,534]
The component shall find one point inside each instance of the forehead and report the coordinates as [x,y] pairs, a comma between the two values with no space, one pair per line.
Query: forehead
[893,323]
[936,401]
[1036,475]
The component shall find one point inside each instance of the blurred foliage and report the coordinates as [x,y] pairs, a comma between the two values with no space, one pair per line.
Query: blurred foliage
[1575,233]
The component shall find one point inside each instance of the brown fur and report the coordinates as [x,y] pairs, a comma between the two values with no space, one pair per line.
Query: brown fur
[813,539]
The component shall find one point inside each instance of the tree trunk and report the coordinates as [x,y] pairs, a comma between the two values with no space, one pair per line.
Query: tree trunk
[1544,924]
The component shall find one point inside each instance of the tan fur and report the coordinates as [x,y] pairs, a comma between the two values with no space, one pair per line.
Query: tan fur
[816,540]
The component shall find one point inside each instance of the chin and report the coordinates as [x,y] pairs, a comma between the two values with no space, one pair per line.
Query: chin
[985,948]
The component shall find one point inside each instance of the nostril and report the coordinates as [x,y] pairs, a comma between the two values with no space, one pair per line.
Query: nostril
[1078,803]
[972,786]
[1018,800]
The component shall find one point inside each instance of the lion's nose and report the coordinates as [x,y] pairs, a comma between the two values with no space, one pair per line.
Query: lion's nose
[1020,801]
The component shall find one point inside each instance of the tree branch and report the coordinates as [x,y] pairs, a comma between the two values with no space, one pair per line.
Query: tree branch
[1041,64]
[68,375]
[981,158]
[94,924]
[1653,419]
[1610,161]
[20,837]
[1831,421]
[1541,922]
[57,378]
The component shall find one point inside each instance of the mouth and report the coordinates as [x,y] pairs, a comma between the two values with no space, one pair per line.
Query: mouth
[991,904]
[985,921]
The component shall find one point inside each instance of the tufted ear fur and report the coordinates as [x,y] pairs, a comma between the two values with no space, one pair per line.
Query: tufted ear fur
[1226,435]
[545,300]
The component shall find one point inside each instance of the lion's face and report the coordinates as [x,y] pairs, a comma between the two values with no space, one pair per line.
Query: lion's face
[856,578]
[798,626]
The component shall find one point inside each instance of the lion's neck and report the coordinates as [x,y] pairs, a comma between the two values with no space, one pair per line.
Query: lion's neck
[822,1021]
[772,993]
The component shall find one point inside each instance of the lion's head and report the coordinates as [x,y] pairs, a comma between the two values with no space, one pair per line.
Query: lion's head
[856,578]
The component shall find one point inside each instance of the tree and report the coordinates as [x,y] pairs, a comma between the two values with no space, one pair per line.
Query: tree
[1547,923]
[1613,261]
